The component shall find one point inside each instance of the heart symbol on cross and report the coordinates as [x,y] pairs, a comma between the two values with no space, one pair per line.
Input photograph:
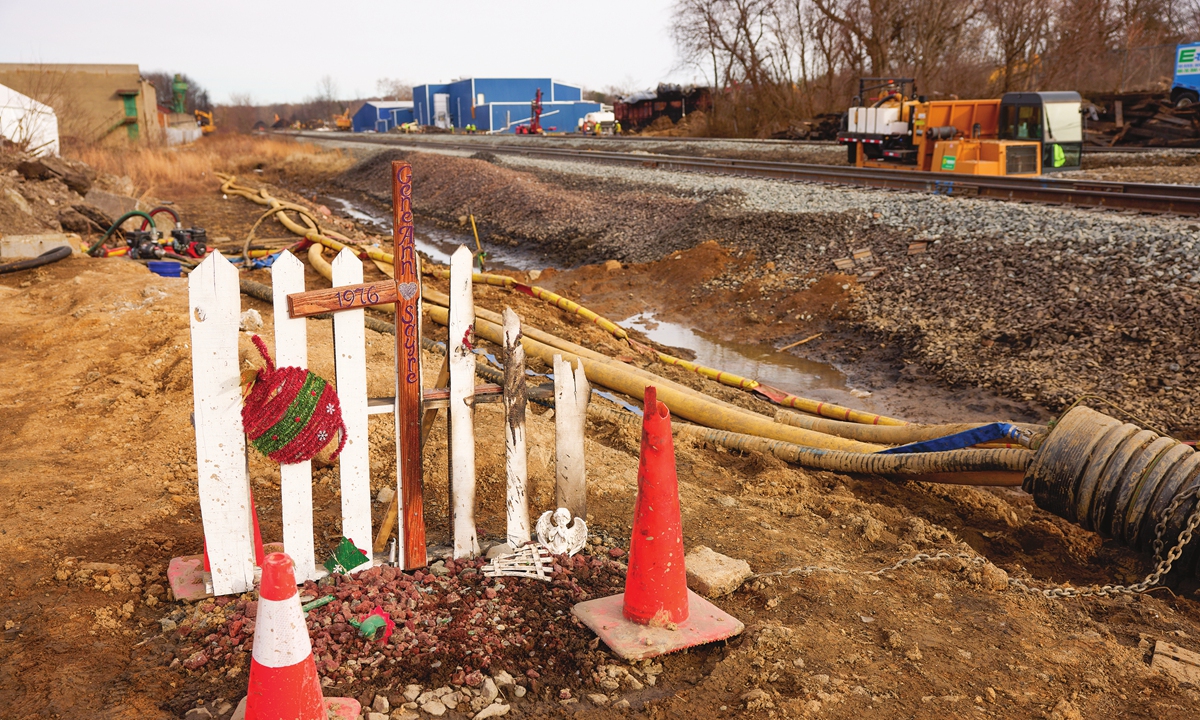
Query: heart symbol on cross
[407,290]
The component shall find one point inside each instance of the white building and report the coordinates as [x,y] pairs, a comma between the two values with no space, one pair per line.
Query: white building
[28,123]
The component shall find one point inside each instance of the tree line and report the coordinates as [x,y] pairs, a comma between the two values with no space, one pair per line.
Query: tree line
[773,61]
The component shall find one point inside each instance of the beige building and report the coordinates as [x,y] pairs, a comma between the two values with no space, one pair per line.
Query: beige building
[94,103]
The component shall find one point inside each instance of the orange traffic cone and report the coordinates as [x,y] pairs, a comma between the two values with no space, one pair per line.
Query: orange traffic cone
[656,614]
[283,676]
[656,582]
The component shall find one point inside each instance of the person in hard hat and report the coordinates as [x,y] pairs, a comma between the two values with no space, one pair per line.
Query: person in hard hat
[617,128]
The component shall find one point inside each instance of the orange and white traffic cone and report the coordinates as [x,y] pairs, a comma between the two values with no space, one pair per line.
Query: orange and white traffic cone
[656,614]
[283,676]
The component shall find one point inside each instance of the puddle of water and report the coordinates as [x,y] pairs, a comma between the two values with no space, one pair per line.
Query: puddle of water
[784,371]
[439,244]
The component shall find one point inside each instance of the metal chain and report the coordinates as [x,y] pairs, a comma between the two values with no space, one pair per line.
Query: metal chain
[1162,564]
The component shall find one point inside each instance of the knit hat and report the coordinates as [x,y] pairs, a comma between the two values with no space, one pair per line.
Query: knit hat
[290,414]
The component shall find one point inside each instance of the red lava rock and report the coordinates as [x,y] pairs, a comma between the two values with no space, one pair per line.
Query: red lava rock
[446,629]
[616,552]
[196,660]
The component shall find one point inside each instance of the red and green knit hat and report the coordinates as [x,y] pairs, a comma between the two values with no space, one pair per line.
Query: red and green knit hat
[291,414]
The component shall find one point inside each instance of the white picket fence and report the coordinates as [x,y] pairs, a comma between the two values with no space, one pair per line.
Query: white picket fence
[224,483]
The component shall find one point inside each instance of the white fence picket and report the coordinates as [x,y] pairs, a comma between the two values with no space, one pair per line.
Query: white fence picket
[215,306]
[350,357]
[295,479]
[515,452]
[571,395]
[462,395]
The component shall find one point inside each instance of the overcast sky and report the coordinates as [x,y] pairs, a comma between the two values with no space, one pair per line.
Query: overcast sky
[278,51]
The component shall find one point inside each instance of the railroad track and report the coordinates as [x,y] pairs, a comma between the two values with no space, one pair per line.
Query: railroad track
[1132,197]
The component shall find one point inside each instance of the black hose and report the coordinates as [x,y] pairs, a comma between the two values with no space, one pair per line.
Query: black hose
[45,258]
[1118,480]
[108,233]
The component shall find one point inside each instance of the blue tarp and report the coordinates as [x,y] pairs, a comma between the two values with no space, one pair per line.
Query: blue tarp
[982,434]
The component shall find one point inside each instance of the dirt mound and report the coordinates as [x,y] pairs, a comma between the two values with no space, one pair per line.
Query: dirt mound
[515,207]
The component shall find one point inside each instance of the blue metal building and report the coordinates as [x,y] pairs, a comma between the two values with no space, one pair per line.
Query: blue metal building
[382,115]
[499,104]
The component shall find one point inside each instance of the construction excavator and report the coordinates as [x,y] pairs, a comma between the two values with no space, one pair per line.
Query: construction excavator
[1022,134]
[343,122]
[205,121]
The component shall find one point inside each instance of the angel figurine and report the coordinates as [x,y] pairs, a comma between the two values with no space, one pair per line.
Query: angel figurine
[556,531]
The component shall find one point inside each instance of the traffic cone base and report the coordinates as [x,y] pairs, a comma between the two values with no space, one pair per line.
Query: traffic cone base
[335,709]
[632,641]
[657,613]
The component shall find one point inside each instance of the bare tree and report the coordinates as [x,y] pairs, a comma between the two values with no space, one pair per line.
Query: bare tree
[1019,31]
[239,115]
[393,89]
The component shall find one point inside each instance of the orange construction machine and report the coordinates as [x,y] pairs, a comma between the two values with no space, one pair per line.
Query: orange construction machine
[1020,134]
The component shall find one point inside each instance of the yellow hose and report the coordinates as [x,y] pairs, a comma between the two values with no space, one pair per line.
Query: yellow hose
[739,429]
[956,467]
[886,434]
[699,410]
[775,395]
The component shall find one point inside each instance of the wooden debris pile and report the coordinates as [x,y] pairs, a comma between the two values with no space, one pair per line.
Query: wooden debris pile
[1141,119]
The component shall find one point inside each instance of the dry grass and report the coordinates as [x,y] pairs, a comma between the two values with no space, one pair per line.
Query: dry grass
[191,167]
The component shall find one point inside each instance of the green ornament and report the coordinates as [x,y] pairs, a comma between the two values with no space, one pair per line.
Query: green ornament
[345,558]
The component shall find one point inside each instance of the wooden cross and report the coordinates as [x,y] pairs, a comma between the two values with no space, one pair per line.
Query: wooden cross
[405,292]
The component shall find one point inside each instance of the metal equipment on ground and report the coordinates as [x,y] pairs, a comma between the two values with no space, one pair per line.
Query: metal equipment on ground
[535,118]
[1021,134]
[205,121]
[598,123]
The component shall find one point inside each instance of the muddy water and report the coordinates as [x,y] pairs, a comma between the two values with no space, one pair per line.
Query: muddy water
[795,375]
[438,244]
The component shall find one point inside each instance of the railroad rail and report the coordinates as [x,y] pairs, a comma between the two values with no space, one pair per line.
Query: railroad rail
[1132,197]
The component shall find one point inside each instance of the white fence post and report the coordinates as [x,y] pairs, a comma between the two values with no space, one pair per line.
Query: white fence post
[295,479]
[571,395]
[515,452]
[215,305]
[462,394]
[350,361]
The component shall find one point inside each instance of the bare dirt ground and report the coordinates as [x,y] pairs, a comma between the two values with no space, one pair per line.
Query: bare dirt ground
[99,491]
